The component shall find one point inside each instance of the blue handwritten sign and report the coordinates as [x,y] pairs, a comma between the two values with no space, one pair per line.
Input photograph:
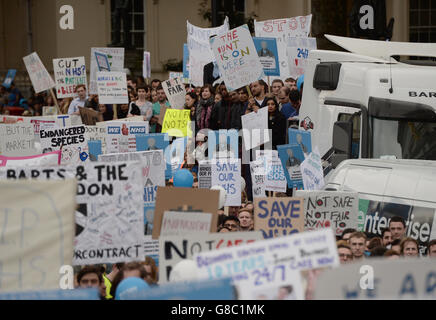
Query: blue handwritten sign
[277,217]
[227,174]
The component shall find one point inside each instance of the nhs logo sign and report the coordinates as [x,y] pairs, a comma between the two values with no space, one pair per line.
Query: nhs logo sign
[113,130]
[138,130]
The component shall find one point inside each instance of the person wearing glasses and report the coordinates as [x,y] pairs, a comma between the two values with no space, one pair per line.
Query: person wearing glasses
[232,223]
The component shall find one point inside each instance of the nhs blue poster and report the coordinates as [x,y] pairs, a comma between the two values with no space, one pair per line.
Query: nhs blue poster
[9,78]
[154,141]
[301,138]
[223,144]
[291,156]
[268,54]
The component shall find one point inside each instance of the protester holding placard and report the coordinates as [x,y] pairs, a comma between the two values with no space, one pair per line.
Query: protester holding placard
[276,123]
[205,106]
[80,101]
[160,106]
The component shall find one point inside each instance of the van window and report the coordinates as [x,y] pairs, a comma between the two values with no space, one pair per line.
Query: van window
[356,132]
[365,179]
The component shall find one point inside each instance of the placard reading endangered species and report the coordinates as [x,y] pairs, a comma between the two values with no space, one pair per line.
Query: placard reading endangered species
[71,141]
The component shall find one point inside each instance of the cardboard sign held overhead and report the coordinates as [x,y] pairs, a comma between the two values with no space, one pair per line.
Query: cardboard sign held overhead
[184,199]
[69,72]
[175,92]
[41,79]
[277,217]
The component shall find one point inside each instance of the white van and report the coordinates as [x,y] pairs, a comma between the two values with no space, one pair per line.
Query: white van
[387,188]
[366,104]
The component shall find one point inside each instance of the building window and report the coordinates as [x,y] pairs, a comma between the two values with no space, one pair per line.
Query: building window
[136,19]
[422,27]
[234,9]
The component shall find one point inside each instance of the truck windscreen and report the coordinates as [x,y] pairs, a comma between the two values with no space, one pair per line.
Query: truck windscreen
[403,139]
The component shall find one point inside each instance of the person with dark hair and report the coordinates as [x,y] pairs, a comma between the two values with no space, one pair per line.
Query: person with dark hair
[145,107]
[386,237]
[243,98]
[431,249]
[258,90]
[226,114]
[397,227]
[391,254]
[276,85]
[276,123]
[91,277]
[155,83]
[157,107]
[291,83]
[132,82]
[378,251]
[131,269]
[374,242]
[395,245]
[108,113]
[347,233]
[109,278]
[287,109]
[152,270]
[205,107]
[232,223]
[295,99]
[191,103]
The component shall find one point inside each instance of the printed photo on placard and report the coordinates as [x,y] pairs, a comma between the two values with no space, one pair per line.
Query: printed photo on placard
[291,156]
[269,58]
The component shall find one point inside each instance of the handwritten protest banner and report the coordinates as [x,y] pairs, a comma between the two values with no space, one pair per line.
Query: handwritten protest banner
[47,159]
[109,214]
[10,76]
[116,62]
[37,219]
[146,65]
[17,140]
[205,174]
[200,52]
[255,129]
[277,217]
[151,248]
[257,170]
[153,172]
[71,141]
[302,251]
[270,283]
[219,290]
[69,72]
[175,92]
[185,200]
[185,223]
[324,209]
[282,30]
[112,88]
[237,58]
[269,57]
[41,79]
[227,174]
[121,135]
[275,179]
[155,141]
[312,172]
[402,279]
[176,123]
[297,51]
[49,111]
[174,249]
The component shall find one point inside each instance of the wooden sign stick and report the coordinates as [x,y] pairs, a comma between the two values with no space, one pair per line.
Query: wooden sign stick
[55,101]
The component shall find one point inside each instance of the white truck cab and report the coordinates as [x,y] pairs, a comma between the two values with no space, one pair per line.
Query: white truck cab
[366,104]
[387,188]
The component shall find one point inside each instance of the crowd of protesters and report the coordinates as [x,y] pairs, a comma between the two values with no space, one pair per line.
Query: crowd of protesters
[212,108]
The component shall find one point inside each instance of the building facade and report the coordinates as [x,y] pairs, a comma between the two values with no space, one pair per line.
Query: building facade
[159,26]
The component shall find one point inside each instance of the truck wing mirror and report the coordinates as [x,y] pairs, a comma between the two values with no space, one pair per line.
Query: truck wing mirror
[342,141]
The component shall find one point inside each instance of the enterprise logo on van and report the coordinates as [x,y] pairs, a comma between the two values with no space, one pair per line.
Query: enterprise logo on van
[422,94]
